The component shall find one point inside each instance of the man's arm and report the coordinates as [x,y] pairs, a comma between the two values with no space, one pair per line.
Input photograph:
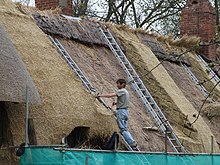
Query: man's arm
[109,95]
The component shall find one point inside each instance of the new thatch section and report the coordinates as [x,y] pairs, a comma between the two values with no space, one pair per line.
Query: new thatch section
[169,97]
[65,102]
[14,75]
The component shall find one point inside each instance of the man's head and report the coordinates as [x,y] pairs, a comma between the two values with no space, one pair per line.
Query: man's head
[121,83]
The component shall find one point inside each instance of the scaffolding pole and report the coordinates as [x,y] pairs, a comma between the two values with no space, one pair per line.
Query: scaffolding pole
[26,118]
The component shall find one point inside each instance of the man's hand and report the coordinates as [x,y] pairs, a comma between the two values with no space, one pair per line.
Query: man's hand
[114,103]
[97,96]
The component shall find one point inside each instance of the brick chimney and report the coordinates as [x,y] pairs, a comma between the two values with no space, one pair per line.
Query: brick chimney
[65,5]
[198,18]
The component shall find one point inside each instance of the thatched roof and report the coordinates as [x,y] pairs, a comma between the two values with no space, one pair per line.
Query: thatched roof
[14,75]
[166,93]
[65,102]
[84,31]
[161,54]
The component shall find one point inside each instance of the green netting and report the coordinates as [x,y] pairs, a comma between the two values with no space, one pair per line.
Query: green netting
[50,156]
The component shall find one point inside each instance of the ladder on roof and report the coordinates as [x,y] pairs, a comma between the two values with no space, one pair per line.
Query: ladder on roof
[83,78]
[73,65]
[152,108]
[213,74]
[193,77]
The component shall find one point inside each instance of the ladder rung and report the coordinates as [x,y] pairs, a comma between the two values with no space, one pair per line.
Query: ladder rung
[147,96]
[169,132]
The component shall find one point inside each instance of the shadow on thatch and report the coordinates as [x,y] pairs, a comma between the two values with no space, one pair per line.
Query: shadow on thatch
[79,138]
[161,54]
[14,75]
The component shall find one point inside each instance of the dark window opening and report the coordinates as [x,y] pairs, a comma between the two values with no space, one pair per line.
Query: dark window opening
[2,111]
[31,132]
[194,2]
[78,137]
[5,134]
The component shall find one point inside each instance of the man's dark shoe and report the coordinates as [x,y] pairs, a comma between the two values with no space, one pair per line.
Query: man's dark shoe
[133,144]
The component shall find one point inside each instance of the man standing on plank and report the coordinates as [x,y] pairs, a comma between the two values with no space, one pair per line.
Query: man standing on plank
[122,110]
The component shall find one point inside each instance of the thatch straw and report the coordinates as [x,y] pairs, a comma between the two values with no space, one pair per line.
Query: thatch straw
[202,75]
[212,110]
[84,31]
[184,41]
[102,69]
[161,52]
[167,94]
[8,4]
[65,102]
[187,42]
[218,51]
[14,75]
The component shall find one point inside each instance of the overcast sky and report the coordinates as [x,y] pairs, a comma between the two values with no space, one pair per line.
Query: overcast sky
[32,2]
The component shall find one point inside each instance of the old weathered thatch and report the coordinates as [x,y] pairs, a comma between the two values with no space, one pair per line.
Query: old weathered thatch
[218,51]
[14,75]
[204,76]
[189,88]
[160,52]
[84,31]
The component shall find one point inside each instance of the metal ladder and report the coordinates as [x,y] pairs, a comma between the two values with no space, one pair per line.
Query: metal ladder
[83,78]
[142,92]
[213,74]
[73,65]
[193,77]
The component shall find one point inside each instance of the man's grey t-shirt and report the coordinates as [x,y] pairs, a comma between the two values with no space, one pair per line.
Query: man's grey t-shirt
[122,98]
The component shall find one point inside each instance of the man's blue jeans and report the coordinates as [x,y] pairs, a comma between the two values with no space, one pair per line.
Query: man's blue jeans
[122,120]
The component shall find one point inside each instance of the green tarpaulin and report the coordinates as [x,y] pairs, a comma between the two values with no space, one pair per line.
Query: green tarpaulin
[54,156]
